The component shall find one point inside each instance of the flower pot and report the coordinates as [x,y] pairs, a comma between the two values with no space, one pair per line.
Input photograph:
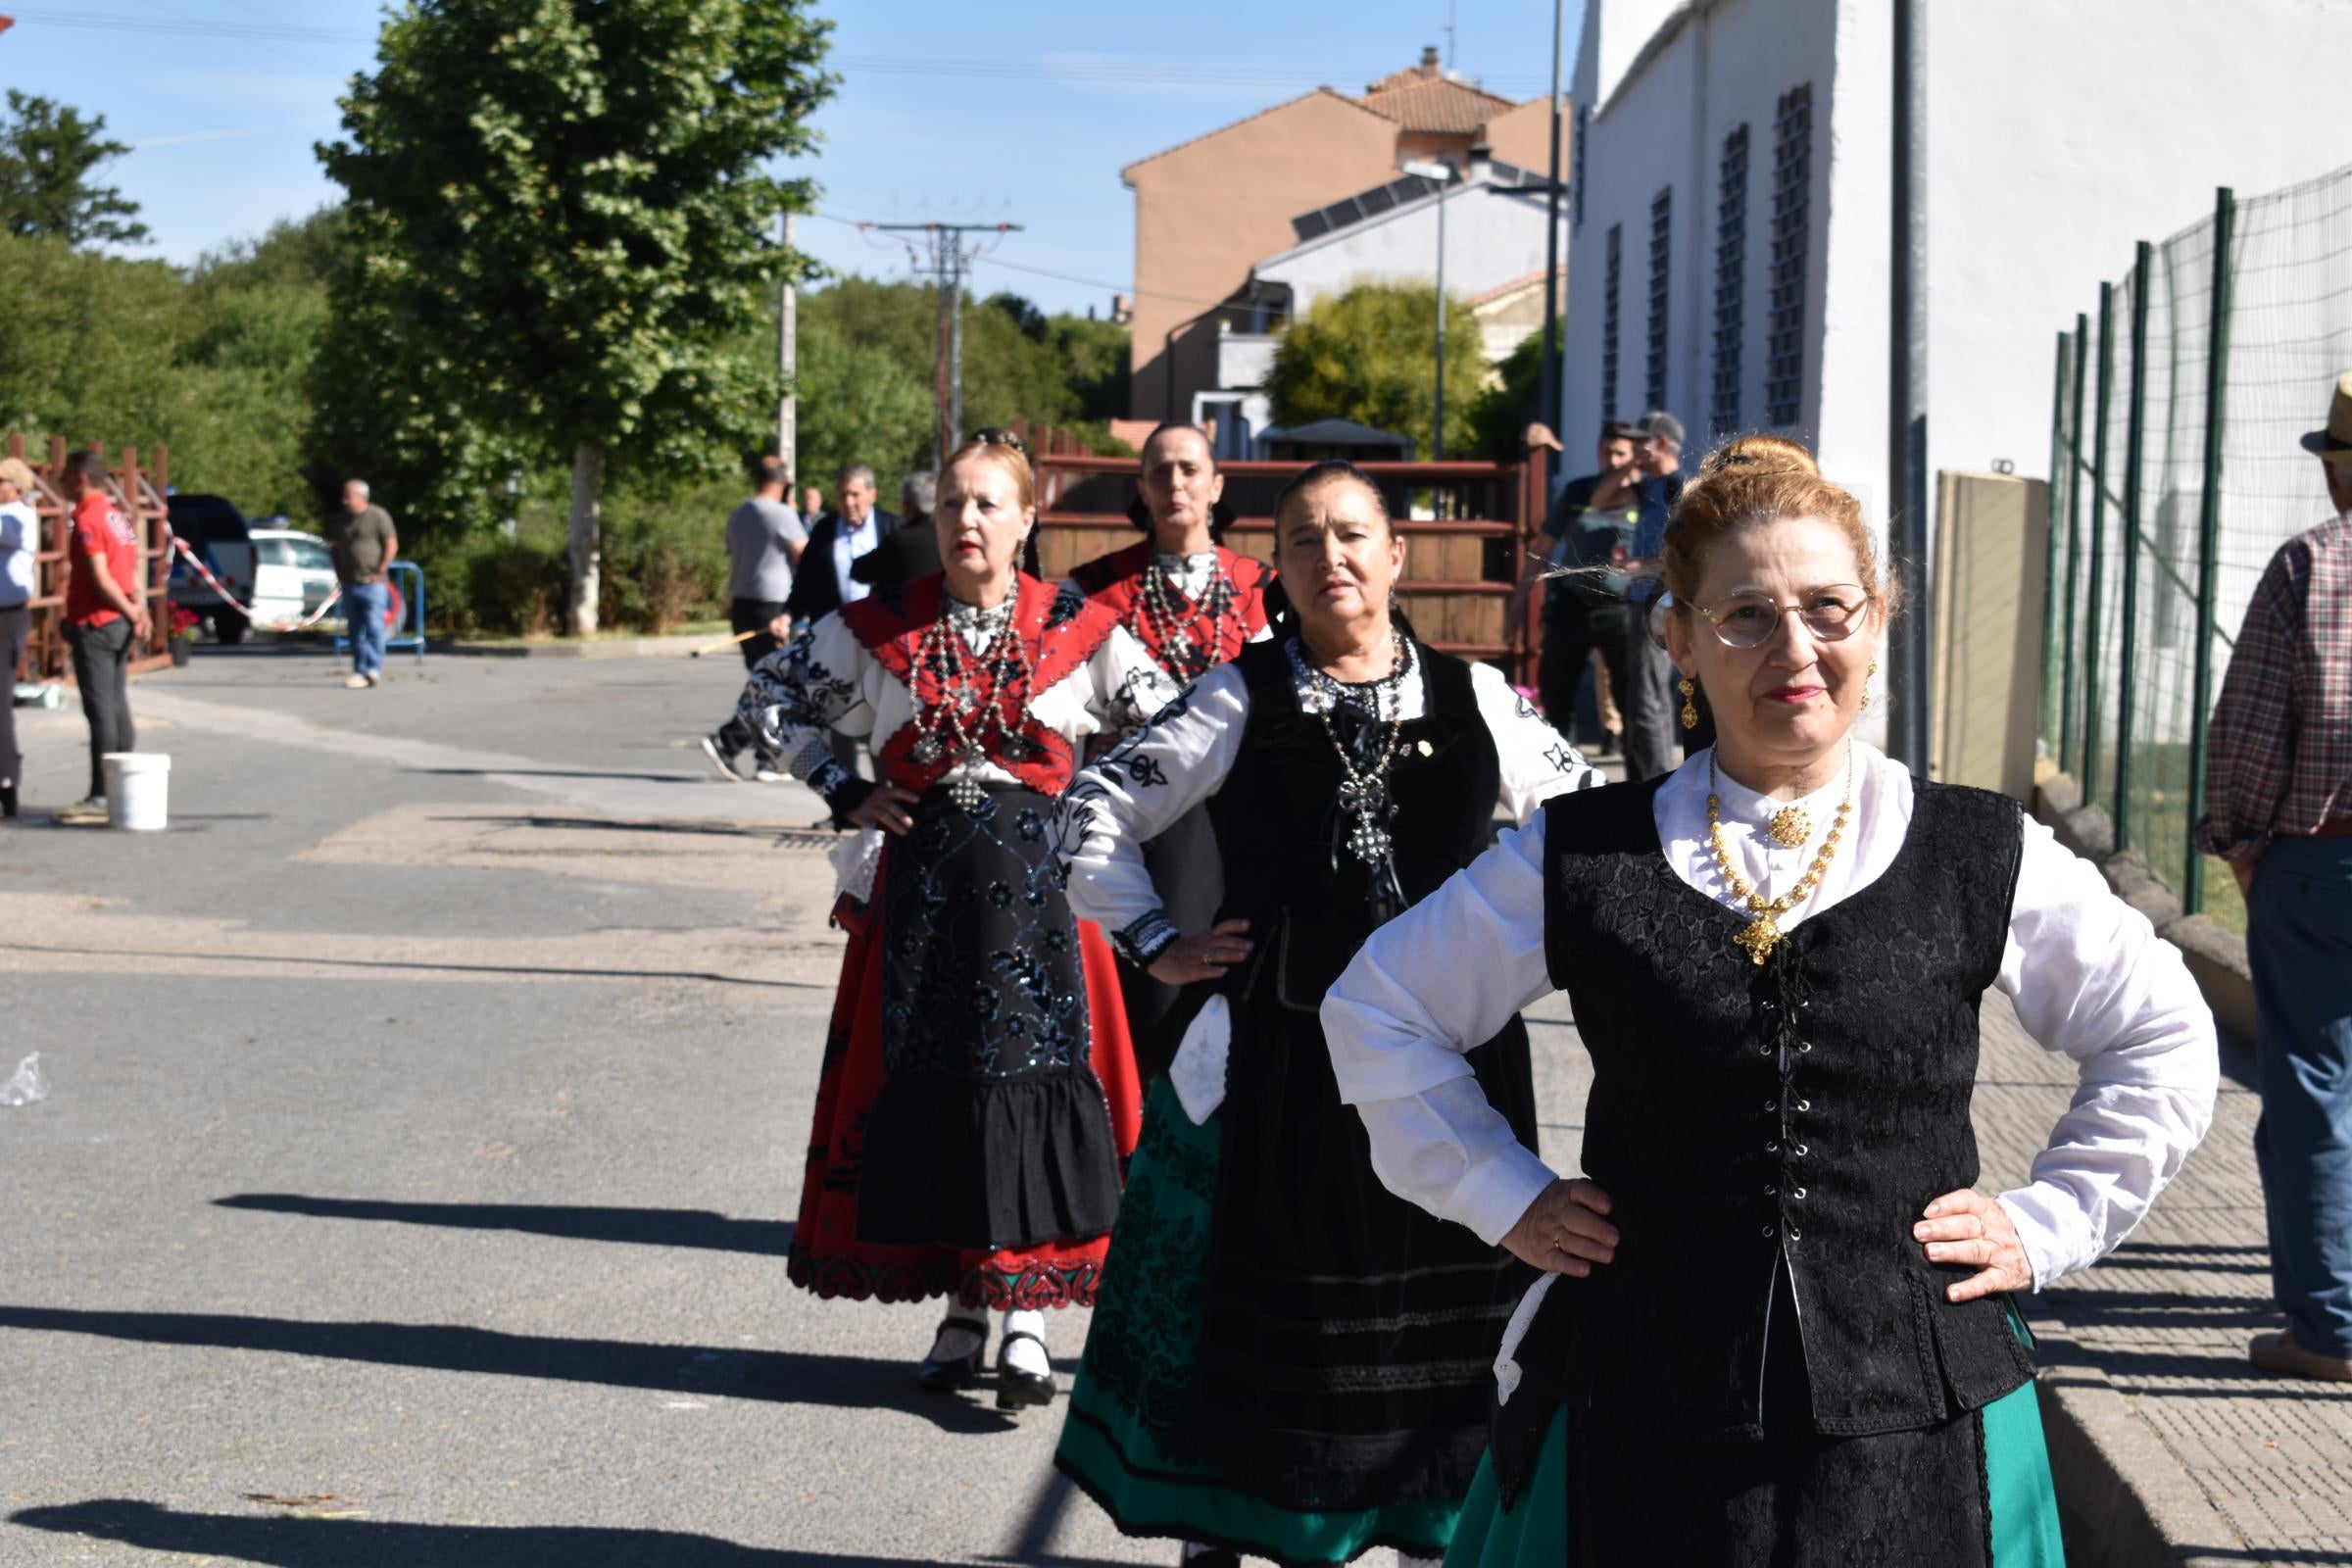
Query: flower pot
[182,648]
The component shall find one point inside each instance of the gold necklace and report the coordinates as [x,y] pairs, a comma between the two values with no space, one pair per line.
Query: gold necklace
[1762,935]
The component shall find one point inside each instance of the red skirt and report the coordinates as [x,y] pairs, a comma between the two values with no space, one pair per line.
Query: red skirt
[828,1258]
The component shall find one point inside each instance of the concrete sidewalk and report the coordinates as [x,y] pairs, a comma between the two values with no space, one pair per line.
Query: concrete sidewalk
[2170,1448]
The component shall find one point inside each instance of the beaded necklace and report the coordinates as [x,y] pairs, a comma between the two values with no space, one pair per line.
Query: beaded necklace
[1762,935]
[1167,621]
[1364,791]
[969,711]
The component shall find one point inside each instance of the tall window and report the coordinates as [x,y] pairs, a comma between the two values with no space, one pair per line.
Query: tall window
[1661,237]
[1792,229]
[1731,280]
[1608,322]
[1576,171]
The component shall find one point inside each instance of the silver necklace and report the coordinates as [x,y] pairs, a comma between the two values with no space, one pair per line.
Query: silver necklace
[971,709]
[1168,626]
[1363,793]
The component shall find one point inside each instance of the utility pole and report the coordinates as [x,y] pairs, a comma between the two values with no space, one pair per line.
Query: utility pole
[946,260]
[1548,403]
[788,349]
[1907,395]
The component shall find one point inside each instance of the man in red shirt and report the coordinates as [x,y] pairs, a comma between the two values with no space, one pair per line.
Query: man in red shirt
[105,617]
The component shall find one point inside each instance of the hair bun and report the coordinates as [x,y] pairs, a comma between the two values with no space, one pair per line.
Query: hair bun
[1761,455]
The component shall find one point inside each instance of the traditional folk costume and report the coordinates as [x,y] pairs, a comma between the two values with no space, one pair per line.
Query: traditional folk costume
[978,1094]
[1286,1360]
[1770,1370]
[1192,613]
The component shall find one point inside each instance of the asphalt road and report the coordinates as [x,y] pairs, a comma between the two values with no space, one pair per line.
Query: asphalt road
[423,1145]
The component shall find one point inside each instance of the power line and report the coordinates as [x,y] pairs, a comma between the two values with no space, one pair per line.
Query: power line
[1043,271]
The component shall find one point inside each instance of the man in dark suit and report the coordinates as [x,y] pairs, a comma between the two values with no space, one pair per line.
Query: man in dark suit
[823,583]
[913,550]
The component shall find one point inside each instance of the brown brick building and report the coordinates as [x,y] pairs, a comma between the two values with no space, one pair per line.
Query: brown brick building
[1207,209]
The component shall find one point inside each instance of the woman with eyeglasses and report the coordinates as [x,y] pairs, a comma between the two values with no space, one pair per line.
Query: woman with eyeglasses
[1776,1324]
[1287,1361]
[978,1094]
[1194,604]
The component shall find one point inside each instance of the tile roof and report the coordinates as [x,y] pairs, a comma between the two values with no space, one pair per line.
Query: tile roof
[1433,103]
[1128,174]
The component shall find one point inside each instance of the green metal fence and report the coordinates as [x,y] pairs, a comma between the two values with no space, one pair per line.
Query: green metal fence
[2175,474]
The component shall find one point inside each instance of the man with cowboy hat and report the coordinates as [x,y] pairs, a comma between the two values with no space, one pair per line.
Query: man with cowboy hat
[2278,781]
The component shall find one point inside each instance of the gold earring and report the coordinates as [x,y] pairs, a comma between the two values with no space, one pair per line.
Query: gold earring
[1874,670]
[1689,708]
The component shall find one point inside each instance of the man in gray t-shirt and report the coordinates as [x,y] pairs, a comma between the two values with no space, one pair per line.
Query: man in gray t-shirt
[765,541]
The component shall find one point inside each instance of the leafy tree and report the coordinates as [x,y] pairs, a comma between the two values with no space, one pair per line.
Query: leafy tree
[1093,355]
[46,154]
[1369,355]
[563,202]
[1499,418]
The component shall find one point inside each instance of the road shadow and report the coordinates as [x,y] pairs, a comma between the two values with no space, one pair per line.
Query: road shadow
[298,1542]
[818,838]
[782,1377]
[430,966]
[644,1227]
[697,779]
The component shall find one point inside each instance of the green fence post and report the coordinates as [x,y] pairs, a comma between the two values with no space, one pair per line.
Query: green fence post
[2090,771]
[2135,422]
[2049,579]
[2209,536]
[2074,543]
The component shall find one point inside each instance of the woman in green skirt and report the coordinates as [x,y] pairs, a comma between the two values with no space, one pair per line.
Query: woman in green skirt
[1775,1325]
[1286,1361]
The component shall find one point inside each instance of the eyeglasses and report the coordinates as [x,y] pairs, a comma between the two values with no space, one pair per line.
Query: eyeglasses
[1749,620]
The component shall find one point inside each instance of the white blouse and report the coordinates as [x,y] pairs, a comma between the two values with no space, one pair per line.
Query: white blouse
[2087,973]
[1183,758]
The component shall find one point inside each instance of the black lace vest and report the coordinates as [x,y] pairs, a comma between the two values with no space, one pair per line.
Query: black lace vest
[1805,1110]
[1288,867]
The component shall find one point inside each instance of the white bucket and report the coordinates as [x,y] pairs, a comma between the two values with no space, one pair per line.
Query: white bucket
[138,790]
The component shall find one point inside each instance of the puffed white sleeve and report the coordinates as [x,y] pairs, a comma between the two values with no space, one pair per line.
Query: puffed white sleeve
[1128,684]
[1537,762]
[2091,979]
[822,680]
[1131,792]
[1442,977]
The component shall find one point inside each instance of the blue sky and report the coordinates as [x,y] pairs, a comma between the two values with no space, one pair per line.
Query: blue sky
[1018,112]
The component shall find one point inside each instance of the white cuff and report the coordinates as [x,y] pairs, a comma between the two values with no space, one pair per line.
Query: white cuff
[2041,1230]
[1495,1192]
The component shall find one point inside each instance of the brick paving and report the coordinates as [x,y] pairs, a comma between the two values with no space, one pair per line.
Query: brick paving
[2166,1318]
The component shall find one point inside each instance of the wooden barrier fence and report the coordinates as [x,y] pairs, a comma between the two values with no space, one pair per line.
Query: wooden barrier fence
[139,490]
[1461,565]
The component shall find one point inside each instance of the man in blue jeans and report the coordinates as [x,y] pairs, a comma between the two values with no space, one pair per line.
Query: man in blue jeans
[365,545]
[2278,777]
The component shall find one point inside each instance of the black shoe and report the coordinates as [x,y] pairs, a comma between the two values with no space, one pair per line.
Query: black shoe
[1214,1557]
[962,1372]
[8,799]
[1017,1389]
[721,759]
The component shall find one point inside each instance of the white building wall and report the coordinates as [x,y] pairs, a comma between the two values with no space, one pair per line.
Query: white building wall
[1493,236]
[1726,63]
[2121,117]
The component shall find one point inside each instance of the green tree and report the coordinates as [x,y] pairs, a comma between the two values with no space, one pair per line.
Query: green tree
[1499,418]
[1369,355]
[46,154]
[564,202]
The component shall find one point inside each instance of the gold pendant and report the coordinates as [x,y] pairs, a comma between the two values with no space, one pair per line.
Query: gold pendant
[1761,936]
[1790,827]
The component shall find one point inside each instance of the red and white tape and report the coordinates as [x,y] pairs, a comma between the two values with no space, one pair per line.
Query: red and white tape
[245,609]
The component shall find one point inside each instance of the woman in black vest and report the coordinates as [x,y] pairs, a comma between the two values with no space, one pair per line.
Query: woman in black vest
[1286,1361]
[1776,1326]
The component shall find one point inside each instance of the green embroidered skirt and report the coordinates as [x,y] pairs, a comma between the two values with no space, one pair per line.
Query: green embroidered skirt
[1125,1441]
